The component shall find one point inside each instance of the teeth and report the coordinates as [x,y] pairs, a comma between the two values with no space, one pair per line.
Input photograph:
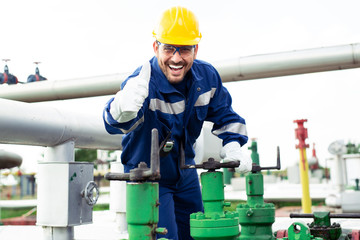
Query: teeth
[176,67]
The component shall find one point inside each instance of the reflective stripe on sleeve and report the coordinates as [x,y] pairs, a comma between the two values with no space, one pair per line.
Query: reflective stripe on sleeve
[204,99]
[237,127]
[134,126]
[107,115]
[164,107]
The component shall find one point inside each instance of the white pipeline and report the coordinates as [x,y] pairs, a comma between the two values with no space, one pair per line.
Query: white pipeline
[238,69]
[29,124]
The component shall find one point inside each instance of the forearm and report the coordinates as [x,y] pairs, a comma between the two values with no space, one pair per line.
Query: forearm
[230,127]
[112,126]
[124,112]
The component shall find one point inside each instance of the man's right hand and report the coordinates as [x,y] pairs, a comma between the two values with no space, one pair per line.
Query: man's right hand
[129,100]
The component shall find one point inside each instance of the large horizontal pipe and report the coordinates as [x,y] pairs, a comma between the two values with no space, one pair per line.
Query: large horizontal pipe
[239,69]
[39,125]
[291,63]
[63,89]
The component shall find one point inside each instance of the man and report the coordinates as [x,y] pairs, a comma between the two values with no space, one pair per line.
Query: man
[175,93]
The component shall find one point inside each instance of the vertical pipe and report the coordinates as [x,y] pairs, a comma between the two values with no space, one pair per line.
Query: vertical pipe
[155,157]
[304,176]
[228,175]
[61,153]
[301,135]
[213,194]
[58,233]
[118,196]
[338,173]
[142,208]
[256,217]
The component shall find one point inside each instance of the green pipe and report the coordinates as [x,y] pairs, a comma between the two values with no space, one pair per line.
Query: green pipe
[214,223]
[254,153]
[256,217]
[142,210]
[228,175]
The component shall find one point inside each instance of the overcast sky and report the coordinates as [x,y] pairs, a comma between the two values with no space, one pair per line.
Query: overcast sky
[73,38]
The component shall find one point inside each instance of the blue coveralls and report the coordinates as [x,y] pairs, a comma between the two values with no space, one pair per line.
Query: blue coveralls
[167,109]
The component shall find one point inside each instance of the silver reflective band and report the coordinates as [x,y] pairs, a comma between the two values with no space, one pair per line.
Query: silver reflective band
[134,126]
[239,128]
[204,98]
[164,107]
[107,116]
[123,130]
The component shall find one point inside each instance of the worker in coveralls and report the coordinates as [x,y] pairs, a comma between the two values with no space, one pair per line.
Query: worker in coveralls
[175,93]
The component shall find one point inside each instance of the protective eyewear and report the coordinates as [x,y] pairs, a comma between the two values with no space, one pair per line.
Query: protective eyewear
[183,51]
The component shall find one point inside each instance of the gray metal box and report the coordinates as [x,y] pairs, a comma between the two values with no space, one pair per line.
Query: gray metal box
[60,203]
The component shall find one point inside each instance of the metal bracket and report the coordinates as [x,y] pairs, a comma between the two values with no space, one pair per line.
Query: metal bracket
[257,168]
[211,164]
[142,172]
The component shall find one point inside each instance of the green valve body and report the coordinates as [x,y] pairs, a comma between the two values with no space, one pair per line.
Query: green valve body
[228,175]
[321,227]
[214,223]
[256,217]
[142,197]
[142,207]
[299,231]
[254,154]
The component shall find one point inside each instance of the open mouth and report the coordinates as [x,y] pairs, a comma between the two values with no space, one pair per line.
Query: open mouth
[176,68]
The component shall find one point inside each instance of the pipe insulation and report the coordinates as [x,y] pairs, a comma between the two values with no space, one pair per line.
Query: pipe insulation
[40,125]
[63,89]
[291,63]
[238,69]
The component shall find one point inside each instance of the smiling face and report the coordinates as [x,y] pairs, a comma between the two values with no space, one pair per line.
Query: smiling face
[174,66]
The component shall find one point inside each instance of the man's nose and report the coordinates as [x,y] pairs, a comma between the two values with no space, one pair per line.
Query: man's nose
[176,57]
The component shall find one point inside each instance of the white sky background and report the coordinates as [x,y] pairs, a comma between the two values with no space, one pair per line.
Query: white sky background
[80,38]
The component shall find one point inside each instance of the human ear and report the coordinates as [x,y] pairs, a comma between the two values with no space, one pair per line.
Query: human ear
[156,47]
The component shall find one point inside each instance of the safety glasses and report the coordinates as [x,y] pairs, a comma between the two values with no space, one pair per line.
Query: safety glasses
[169,50]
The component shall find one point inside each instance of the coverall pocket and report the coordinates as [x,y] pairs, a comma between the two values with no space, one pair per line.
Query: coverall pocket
[201,113]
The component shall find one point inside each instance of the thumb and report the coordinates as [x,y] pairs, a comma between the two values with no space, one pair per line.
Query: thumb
[222,153]
[245,163]
[145,71]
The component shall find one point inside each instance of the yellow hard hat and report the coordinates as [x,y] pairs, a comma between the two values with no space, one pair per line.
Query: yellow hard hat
[178,26]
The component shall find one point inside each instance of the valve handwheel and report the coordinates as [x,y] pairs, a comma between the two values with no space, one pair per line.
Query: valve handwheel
[88,193]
